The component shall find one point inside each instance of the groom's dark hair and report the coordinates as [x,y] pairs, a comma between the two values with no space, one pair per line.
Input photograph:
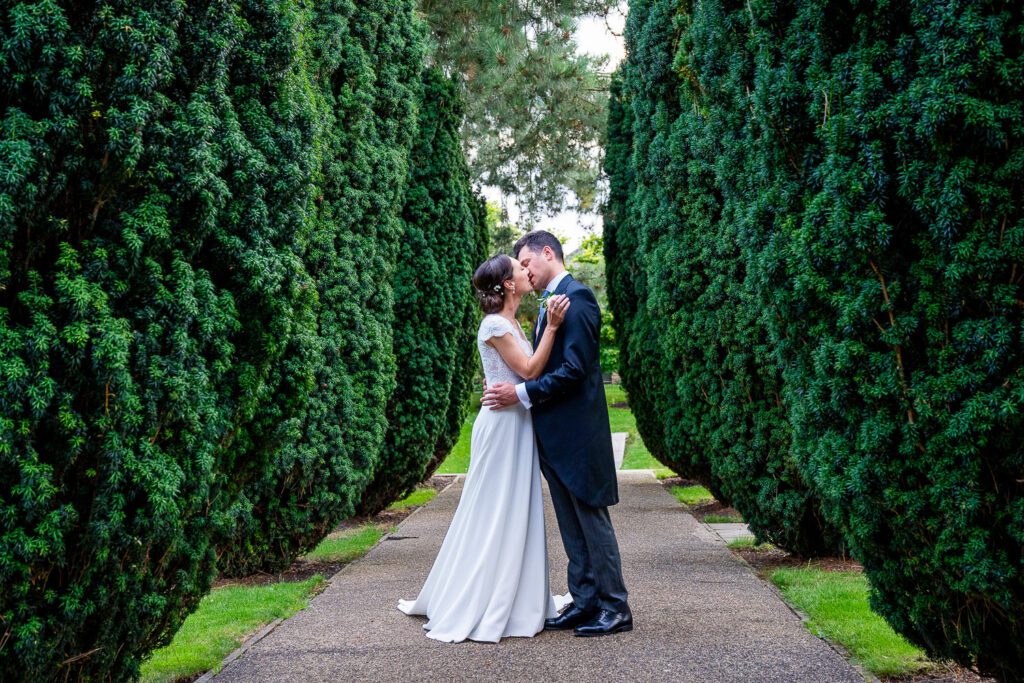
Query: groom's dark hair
[536,240]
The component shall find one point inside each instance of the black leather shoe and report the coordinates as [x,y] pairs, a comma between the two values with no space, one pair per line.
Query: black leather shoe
[605,623]
[570,617]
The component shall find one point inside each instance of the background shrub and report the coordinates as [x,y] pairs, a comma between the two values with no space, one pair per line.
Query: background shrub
[814,232]
[691,324]
[436,314]
[197,199]
[364,69]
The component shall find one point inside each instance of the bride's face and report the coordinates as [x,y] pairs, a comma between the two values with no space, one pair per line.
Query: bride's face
[521,276]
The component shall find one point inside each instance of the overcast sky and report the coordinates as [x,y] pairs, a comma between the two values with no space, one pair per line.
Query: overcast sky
[594,37]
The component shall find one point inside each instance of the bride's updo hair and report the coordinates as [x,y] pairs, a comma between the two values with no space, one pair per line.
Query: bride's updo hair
[489,281]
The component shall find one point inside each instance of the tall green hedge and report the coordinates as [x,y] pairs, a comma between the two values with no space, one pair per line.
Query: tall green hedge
[906,258]
[638,198]
[126,178]
[698,368]
[365,76]
[837,273]
[444,239]
[198,218]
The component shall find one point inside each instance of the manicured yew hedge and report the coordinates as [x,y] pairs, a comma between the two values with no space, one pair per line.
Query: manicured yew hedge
[696,366]
[364,73]
[906,261]
[634,161]
[436,315]
[816,228]
[198,235]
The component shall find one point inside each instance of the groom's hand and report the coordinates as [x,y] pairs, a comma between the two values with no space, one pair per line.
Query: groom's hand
[500,395]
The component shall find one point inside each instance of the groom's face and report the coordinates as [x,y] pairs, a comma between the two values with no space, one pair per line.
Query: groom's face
[537,266]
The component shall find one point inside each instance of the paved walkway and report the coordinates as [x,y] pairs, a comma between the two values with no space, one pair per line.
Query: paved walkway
[701,615]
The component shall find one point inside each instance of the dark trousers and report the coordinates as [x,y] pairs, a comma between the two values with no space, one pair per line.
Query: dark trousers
[595,570]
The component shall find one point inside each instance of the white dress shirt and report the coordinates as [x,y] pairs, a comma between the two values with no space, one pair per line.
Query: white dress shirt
[524,398]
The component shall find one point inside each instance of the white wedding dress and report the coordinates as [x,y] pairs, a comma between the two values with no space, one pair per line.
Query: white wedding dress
[490,578]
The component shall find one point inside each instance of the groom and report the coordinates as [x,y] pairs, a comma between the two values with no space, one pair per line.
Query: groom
[570,419]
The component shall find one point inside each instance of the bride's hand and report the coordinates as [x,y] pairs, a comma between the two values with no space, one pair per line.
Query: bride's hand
[556,308]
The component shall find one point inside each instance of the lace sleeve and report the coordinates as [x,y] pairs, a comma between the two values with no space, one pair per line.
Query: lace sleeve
[493,326]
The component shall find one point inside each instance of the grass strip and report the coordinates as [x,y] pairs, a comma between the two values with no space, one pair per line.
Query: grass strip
[692,495]
[223,620]
[722,519]
[837,605]
[346,546]
[228,615]
[457,461]
[749,542]
[418,497]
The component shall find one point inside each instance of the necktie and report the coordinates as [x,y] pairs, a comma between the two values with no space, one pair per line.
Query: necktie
[540,316]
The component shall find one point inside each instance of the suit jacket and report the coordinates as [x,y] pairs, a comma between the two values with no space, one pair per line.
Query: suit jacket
[570,413]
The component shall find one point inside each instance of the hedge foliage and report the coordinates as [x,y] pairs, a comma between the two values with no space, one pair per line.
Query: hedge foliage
[444,239]
[364,80]
[692,344]
[830,258]
[199,226]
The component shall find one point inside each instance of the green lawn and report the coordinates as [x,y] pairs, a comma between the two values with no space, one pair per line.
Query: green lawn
[228,615]
[692,495]
[749,542]
[420,496]
[346,546]
[457,461]
[722,519]
[837,604]
[223,620]
[637,456]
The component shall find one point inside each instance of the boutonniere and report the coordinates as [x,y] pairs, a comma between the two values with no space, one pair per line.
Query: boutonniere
[542,299]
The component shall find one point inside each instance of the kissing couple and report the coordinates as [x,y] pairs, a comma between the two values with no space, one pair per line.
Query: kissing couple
[544,410]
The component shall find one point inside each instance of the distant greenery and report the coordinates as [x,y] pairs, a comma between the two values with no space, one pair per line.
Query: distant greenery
[587,265]
[637,456]
[622,420]
[536,102]
[837,604]
[223,619]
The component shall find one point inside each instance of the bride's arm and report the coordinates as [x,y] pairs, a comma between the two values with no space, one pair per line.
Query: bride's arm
[530,367]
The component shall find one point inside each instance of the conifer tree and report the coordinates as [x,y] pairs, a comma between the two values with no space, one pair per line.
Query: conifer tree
[535,105]
[142,273]
[198,199]
[836,227]
[436,314]
[364,71]
[904,263]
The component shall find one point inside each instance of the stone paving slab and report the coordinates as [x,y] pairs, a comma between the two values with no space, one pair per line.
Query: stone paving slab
[701,615]
[730,531]
[619,447]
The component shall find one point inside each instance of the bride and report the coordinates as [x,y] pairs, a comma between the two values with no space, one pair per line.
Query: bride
[490,578]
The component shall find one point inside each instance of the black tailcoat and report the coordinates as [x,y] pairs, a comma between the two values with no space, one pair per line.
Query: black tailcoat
[570,412]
